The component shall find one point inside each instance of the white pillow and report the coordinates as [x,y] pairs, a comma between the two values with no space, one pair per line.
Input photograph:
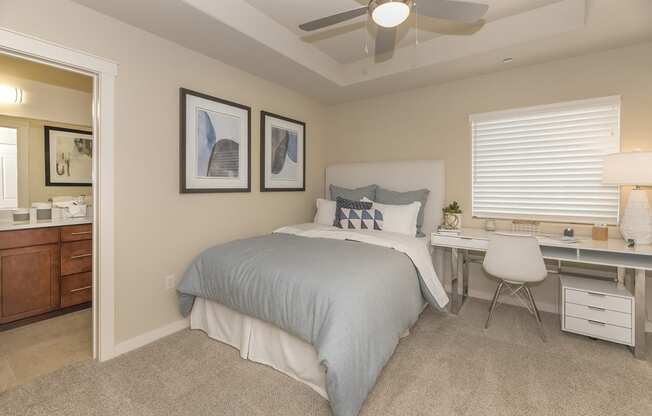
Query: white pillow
[325,212]
[401,219]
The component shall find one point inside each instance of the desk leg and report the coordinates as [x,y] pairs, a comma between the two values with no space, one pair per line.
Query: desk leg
[621,277]
[459,269]
[454,276]
[641,314]
[465,275]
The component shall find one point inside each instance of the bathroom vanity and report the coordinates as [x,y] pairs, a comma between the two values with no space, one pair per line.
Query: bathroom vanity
[45,269]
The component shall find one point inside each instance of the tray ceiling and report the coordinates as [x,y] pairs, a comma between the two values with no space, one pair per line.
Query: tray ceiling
[345,42]
[262,37]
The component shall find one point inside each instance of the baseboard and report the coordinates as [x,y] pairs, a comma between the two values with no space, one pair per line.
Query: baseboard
[151,336]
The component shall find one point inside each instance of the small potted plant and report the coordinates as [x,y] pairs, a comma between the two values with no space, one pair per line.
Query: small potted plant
[453,216]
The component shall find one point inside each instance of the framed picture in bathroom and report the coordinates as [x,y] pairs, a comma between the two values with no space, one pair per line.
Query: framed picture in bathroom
[68,157]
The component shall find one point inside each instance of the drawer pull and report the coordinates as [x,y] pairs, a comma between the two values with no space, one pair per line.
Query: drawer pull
[81,256]
[81,289]
[596,322]
[595,308]
[601,295]
[82,233]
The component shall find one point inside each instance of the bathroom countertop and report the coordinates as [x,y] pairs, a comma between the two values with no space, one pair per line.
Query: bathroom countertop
[12,226]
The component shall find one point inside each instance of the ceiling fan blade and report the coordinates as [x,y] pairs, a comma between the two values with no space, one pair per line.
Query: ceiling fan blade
[385,42]
[460,11]
[334,19]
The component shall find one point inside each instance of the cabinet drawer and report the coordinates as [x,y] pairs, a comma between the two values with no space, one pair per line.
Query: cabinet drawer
[28,238]
[598,314]
[76,257]
[77,232]
[74,282]
[599,300]
[599,330]
[76,289]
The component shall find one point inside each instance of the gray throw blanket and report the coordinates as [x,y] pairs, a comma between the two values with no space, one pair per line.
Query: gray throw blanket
[350,300]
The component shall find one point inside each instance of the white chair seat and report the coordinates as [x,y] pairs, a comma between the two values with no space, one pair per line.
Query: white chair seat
[516,261]
[515,258]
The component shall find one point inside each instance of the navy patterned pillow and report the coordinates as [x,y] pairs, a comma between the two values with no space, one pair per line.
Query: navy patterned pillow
[357,215]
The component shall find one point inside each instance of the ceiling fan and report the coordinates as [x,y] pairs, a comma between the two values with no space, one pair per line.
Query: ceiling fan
[389,14]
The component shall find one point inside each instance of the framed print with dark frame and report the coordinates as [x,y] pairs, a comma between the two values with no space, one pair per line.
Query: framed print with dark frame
[282,153]
[215,144]
[68,157]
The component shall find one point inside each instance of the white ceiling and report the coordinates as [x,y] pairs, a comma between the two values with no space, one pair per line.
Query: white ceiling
[262,37]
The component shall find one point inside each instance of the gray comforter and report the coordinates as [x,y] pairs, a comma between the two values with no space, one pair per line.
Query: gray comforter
[350,300]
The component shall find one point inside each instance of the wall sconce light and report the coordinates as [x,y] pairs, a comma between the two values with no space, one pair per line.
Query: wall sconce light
[10,95]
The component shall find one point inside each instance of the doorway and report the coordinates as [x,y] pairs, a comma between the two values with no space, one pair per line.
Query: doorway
[46,204]
[103,73]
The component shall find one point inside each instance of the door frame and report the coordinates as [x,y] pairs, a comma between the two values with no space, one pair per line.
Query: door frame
[104,73]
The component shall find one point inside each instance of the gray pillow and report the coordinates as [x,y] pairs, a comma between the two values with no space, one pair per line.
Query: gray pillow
[353,194]
[385,196]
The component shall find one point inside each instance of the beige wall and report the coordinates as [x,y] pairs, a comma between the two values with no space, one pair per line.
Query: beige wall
[158,231]
[432,122]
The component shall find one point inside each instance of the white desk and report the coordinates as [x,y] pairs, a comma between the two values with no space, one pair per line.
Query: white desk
[613,253]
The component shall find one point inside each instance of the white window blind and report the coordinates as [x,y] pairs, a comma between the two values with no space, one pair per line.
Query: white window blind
[545,163]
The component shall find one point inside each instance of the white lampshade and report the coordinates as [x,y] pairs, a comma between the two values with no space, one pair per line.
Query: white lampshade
[628,168]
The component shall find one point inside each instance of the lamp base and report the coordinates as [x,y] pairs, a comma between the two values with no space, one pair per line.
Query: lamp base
[637,218]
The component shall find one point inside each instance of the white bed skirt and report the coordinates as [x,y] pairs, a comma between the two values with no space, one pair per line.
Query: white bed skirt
[260,342]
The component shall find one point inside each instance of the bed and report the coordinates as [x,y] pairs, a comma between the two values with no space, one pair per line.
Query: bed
[331,327]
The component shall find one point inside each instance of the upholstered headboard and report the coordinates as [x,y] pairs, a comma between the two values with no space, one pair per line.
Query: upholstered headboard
[397,176]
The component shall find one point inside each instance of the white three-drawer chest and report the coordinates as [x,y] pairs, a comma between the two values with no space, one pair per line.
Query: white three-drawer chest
[598,309]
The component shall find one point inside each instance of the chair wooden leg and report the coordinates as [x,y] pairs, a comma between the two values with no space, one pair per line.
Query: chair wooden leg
[494,302]
[536,312]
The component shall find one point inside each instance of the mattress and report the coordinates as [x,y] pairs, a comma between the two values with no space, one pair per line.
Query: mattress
[260,342]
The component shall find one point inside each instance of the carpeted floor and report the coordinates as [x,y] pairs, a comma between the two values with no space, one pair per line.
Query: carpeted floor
[448,366]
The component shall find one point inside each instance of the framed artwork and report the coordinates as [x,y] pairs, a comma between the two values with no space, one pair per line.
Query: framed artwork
[282,153]
[68,157]
[215,144]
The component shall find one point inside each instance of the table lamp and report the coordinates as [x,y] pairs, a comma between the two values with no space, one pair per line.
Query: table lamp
[632,168]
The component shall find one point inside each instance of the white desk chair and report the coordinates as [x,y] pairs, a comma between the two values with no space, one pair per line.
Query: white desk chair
[516,261]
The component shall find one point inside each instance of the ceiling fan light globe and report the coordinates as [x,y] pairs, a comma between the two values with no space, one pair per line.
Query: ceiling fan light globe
[391,13]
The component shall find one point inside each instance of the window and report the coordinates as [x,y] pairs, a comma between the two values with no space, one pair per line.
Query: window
[545,163]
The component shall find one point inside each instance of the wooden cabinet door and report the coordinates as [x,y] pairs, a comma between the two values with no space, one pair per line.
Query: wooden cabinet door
[29,281]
